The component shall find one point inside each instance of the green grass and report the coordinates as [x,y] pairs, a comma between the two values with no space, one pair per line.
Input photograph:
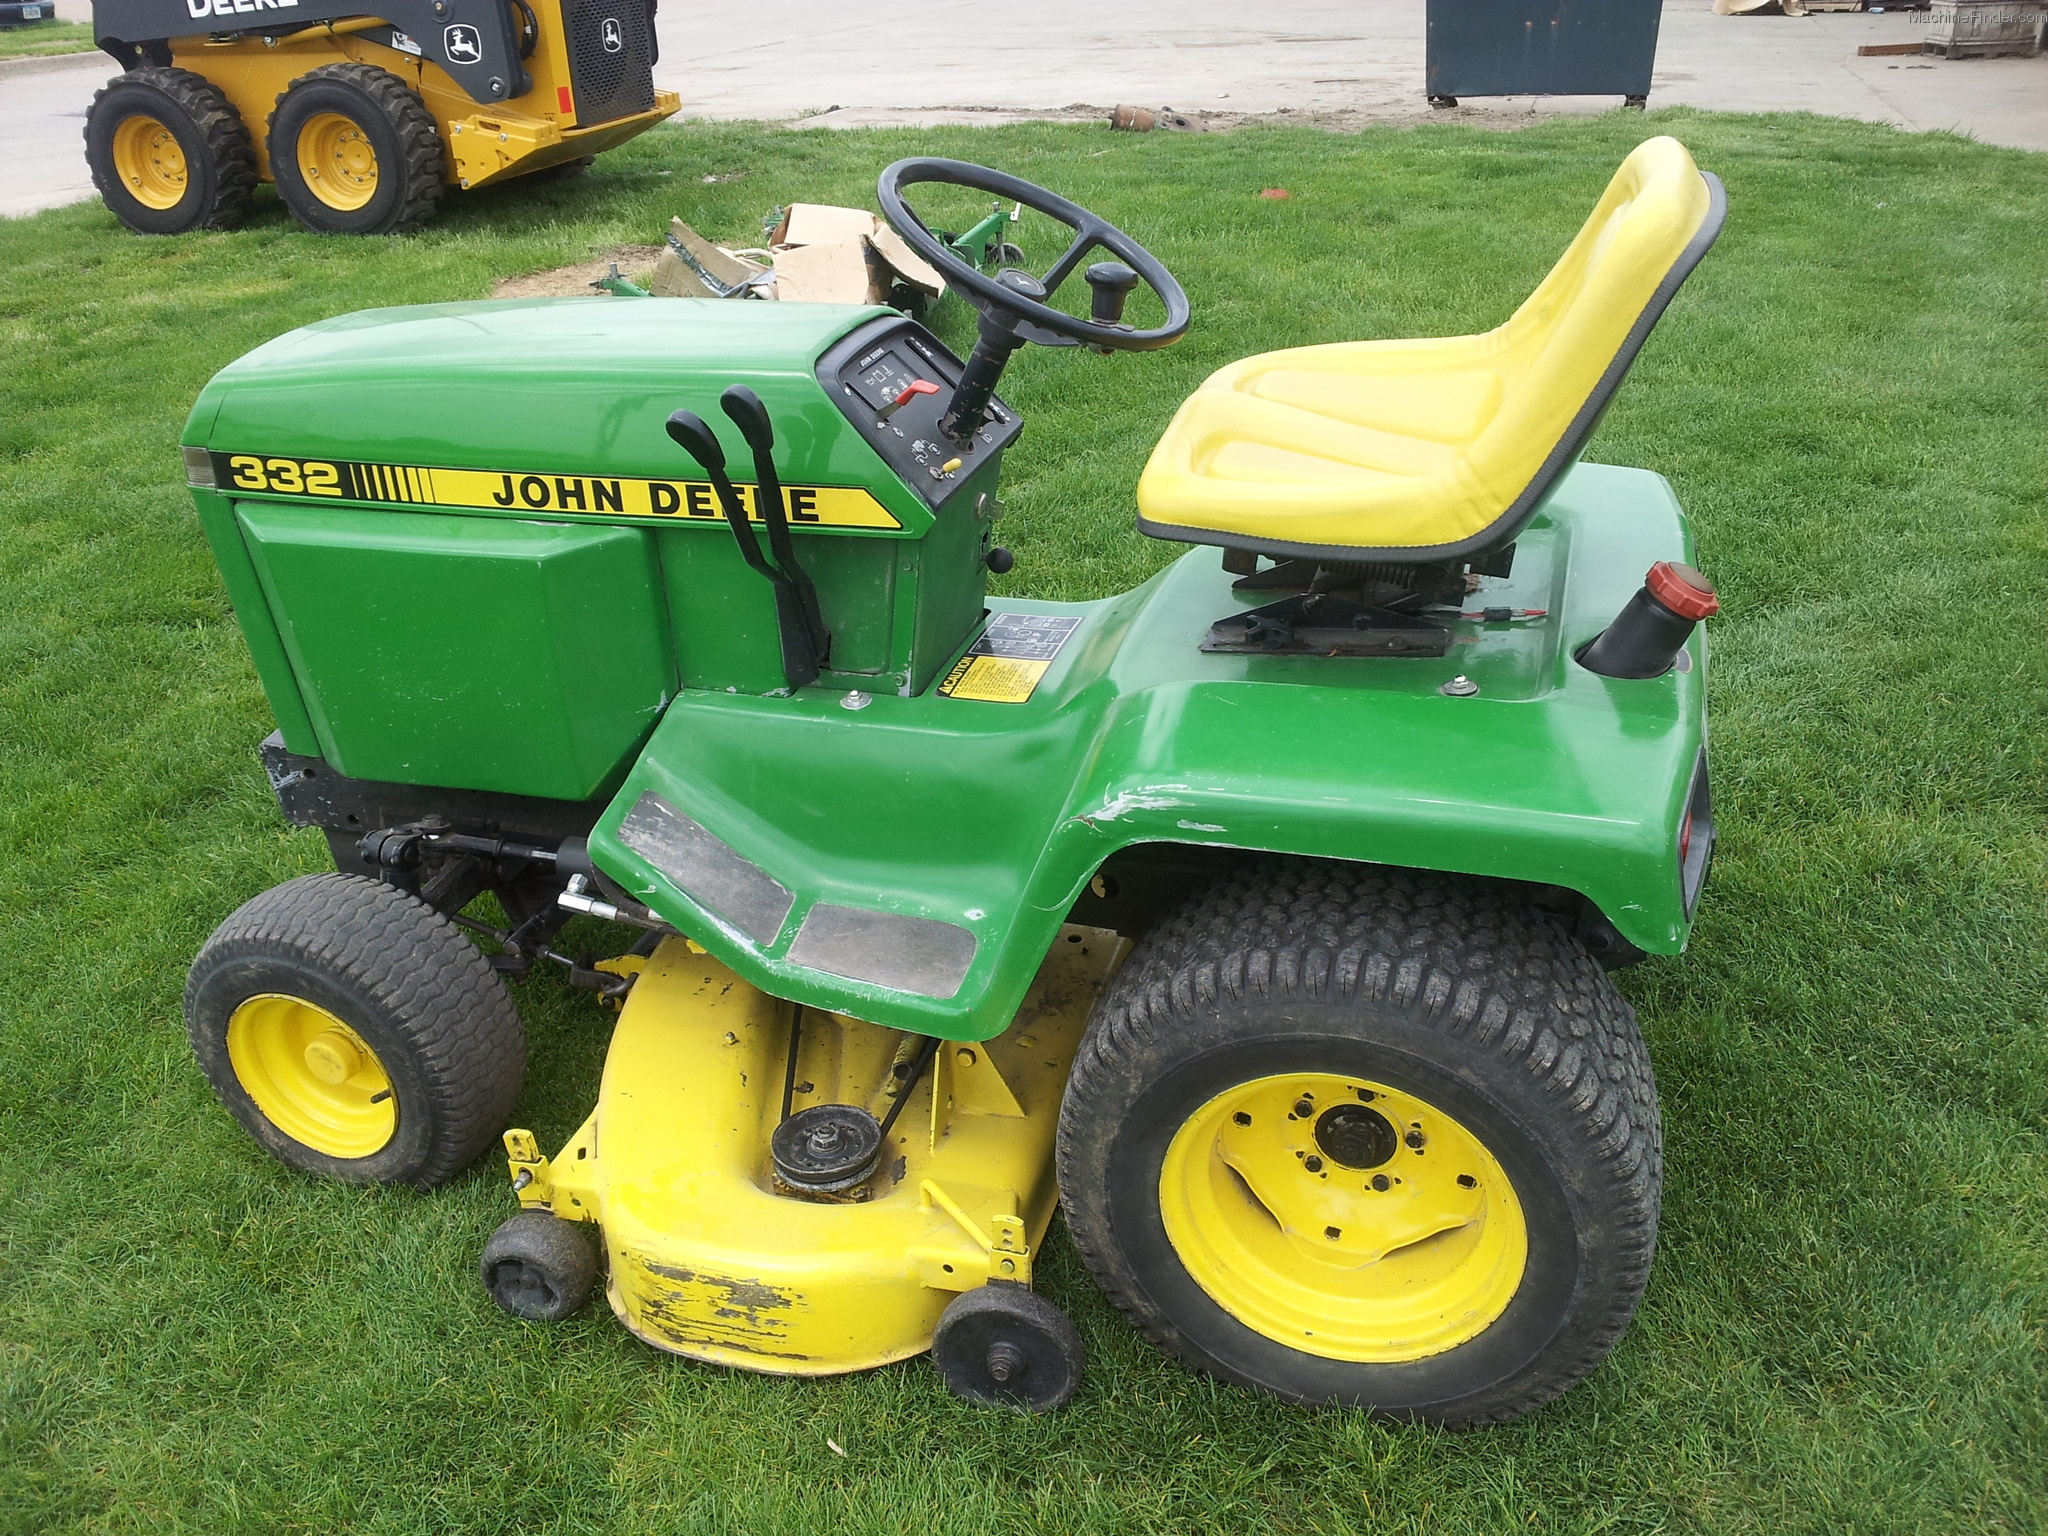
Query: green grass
[1845,1331]
[43,37]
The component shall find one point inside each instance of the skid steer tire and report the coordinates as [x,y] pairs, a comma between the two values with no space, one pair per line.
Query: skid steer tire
[169,153]
[354,1032]
[354,151]
[1370,1137]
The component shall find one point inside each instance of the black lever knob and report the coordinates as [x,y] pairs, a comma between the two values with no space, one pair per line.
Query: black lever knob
[693,434]
[750,416]
[1111,283]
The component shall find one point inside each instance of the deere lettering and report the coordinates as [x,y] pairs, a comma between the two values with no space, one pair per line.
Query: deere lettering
[201,9]
[825,506]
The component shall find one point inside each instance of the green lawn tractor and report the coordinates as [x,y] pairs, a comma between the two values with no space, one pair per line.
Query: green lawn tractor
[1260,917]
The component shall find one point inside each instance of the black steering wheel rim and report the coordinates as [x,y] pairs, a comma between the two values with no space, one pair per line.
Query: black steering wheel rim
[985,293]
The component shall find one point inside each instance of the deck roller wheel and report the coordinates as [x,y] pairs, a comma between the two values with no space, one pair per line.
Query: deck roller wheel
[1365,1136]
[169,153]
[354,1032]
[539,1267]
[354,151]
[1005,1346]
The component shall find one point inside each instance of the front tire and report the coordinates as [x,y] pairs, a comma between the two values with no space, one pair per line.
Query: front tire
[354,1032]
[169,153]
[1370,1137]
[354,151]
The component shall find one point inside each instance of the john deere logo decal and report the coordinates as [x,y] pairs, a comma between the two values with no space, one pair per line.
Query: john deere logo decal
[486,490]
[613,35]
[463,45]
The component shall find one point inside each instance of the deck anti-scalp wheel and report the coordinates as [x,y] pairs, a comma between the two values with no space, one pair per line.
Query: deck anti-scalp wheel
[355,152]
[1369,1137]
[1005,1346]
[355,1032]
[539,1267]
[169,153]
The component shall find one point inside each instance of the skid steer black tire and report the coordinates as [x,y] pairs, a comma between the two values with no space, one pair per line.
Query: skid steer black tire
[1456,998]
[410,158]
[414,991]
[219,159]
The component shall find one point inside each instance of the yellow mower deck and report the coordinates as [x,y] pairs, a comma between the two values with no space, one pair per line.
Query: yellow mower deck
[710,1257]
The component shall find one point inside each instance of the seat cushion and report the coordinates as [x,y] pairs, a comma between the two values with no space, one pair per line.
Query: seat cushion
[1379,448]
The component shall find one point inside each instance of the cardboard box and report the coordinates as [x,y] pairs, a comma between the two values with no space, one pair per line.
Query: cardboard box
[822,254]
[830,255]
[676,279]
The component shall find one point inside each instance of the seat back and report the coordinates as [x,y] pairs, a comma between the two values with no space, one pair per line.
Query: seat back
[1434,449]
[1563,353]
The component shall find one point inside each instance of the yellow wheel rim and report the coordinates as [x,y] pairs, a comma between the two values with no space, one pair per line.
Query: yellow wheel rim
[1343,1218]
[150,162]
[312,1076]
[338,161]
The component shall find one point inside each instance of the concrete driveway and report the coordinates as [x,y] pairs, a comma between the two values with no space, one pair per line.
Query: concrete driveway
[1340,62]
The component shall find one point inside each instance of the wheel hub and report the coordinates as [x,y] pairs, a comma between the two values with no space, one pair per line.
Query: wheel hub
[1356,1135]
[1343,1217]
[333,1057]
[312,1076]
[338,161]
[150,162]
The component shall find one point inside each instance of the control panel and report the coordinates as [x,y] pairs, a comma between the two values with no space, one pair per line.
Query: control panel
[895,382]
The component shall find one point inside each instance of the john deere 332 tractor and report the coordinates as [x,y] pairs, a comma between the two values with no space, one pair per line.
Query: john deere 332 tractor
[1260,917]
[363,121]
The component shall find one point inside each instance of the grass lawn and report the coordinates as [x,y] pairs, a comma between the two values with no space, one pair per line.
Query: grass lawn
[1845,1331]
[46,37]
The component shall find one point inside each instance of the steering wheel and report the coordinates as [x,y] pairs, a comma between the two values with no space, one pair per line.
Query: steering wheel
[1016,300]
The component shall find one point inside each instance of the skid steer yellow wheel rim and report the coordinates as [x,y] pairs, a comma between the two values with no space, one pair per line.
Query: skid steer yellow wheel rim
[312,1076]
[338,161]
[150,162]
[1343,1218]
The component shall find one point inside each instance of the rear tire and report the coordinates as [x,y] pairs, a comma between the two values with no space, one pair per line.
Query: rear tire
[354,151]
[354,1032]
[169,153]
[1366,1136]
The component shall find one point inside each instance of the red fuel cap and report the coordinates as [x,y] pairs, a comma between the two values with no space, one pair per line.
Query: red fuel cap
[1682,589]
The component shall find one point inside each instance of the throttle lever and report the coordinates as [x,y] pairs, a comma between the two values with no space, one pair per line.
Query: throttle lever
[799,655]
[751,417]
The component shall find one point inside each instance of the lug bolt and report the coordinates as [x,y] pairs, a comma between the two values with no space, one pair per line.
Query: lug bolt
[1381,1183]
[1312,1163]
[1414,1139]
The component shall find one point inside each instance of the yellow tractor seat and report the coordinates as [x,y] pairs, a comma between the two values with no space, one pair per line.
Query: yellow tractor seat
[1434,449]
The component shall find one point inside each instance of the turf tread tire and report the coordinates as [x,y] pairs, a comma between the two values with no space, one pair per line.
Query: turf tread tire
[1432,956]
[407,980]
[229,154]
[421,156]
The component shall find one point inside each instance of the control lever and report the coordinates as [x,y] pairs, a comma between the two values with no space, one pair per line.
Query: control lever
[1110,283]
[799,656]
[751,417]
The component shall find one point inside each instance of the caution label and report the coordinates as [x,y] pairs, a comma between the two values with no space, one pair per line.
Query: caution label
[414,485]
[1004,665]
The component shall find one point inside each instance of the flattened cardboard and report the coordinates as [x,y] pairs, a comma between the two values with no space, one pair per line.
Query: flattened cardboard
[820,224]
[673,278]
